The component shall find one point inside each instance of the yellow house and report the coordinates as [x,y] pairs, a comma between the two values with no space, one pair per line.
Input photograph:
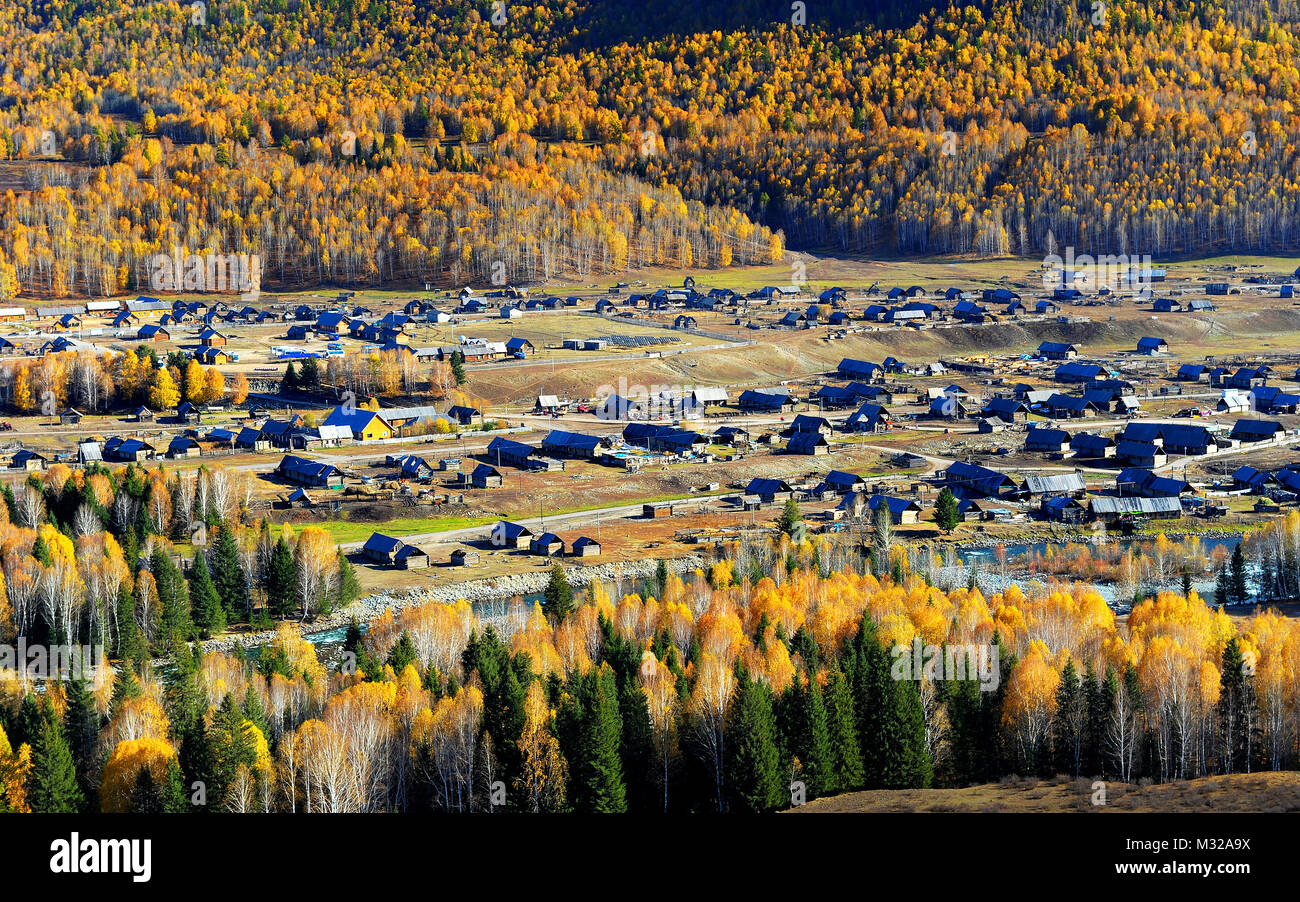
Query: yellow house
[366,425]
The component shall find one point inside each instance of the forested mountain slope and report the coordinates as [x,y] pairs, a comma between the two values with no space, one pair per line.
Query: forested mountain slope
[361,142]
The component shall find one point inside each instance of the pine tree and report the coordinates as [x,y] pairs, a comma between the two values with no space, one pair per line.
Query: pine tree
[174,798]
[790,517]
[53,786]
[1240,591]
[754,778]
[402,653]
[349,585]
[505,688]
[458,367]
[594,728]
[184,700]
[254,713]
[146,795]
[846,750]
[1222,587]
[290,381]
[811,740]
[891,722]
[636,748]
[228,575]
[127,686]
[27,724]
[910,764]
[805,646]
[1236,710]
[197,762]
[947,515]
[1067,727]
[207,611]
[309,377]
[173,596]
[81,725]
[280,581]
[870,673]
[231,745]
[558,597]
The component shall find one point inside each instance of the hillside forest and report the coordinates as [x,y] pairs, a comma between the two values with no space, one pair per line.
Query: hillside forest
[352,142]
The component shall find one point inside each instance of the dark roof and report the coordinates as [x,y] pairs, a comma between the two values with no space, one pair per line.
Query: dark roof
[1133,448]
[1004,407]
[657,436]
[868,414]
[835,394]
[1250,476]
[1037,438]
[1055,347]
[981,479]
[1255,429]
[850,367]
[557,438]
[805,442]
[842,478]
[752,398]
[805,422]
[896,505]
[506,446]
[512,530]
[862,390]
[1085,443]
[1079,372]
[1059,401]
[291,463]
[1139,481]
[762,486]
[382,543]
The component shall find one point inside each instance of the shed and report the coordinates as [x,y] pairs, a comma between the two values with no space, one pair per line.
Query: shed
[584,546]
[29,461]
[506,534]
[465,557]
[548,544]
[486,477]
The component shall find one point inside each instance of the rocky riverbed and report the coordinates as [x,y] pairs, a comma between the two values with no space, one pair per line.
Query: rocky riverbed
[477,592]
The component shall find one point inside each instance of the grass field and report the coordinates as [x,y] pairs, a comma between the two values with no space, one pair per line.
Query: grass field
[346,531]
[1260,792]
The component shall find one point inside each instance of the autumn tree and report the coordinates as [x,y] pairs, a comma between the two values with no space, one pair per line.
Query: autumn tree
[239,389]
[542,781]
[163,393]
